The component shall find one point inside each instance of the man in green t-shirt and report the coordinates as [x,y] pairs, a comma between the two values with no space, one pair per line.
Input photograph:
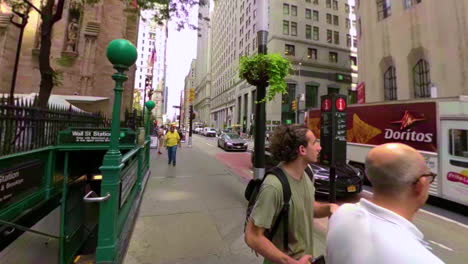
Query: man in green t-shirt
[295,146]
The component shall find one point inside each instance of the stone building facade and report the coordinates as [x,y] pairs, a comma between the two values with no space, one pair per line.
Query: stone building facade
[78,52]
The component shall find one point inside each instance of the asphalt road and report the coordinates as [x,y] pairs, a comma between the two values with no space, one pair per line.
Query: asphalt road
[444,228]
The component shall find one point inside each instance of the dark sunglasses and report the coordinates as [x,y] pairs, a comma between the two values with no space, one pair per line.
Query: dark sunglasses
[430,174]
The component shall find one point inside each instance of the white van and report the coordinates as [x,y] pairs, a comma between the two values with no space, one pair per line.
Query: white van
[209,132]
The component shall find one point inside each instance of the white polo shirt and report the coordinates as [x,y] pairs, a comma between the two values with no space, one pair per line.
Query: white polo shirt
[367,233]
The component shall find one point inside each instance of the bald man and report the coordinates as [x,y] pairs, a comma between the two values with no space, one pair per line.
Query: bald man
[380,230]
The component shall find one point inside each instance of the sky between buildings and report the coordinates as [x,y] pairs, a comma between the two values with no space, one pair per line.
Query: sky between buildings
[181,49]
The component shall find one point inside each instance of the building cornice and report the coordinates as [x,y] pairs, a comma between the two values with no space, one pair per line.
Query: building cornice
[312,43]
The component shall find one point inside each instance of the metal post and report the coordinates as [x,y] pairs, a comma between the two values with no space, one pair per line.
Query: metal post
[24,20]
[150,105]
[190,126]
[122,54]
[259,145]
[332,190]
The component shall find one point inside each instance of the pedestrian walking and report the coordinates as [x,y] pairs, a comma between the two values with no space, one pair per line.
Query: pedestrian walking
[172,139]
[287,237]
[380,230]
[160,139]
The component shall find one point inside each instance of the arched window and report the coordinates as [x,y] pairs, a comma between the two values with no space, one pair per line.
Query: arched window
[390,84]
[422,79]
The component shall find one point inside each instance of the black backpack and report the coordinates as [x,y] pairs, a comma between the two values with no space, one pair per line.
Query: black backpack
[251,194]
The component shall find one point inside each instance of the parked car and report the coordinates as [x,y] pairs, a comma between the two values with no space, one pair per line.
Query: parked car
[231,141]
[198,130]
[349,179]
[209,132]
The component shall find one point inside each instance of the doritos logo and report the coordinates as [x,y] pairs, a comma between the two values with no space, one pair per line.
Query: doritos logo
[407,120]
[405,134]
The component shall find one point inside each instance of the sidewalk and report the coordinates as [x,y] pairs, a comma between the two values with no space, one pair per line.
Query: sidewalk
[193,214]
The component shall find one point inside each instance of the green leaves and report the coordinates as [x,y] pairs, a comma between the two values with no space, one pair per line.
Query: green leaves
[267,70]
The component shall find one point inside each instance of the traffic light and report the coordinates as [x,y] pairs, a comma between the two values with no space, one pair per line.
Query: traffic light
[191,95]
[148,82]
[192,114]
[294,105]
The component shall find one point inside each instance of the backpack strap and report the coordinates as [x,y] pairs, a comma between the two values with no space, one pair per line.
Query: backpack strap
[284,213]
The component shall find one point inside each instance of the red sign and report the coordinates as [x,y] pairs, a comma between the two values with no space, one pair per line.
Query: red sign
[340,104]
[414,124]
[326,105]
[361,93]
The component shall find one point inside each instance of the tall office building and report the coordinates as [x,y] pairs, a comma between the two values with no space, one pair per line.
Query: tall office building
[413,49]
[318,37]
[150,76]
[203,65]
[190,81]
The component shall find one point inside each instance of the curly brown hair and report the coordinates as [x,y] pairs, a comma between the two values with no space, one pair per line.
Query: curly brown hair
[286,141]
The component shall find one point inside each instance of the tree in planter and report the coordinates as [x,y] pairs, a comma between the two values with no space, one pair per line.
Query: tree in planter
[51,12]
[266,70]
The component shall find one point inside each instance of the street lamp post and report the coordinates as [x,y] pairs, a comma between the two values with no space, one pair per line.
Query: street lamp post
[149,105]
[122,54]
[259,145]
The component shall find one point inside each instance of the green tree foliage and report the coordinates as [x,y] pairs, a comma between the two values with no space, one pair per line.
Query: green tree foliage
[267,70]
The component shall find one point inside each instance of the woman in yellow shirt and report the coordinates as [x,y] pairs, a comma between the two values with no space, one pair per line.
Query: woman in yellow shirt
[172,139]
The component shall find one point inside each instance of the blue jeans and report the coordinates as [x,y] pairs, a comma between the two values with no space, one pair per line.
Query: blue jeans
[171,152]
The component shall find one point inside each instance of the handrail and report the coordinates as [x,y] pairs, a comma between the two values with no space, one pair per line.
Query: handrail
[129,154]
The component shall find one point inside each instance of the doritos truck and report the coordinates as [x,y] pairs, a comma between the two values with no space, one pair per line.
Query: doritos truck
[438,128]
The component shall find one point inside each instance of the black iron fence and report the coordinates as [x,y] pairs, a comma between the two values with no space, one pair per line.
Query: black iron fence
[25,126]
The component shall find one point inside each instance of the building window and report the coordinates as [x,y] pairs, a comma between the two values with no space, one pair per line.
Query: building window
[328,3]
[308,32]
[422,79]
[348,40]
[348,23]
[346,7]
[329,19]
[289,50]
[335,5]
[316,2]
[336,36]
[383,9]
[312,54]
[316,34]
[287,114]
[293,10]
[285,9]
[293,29]
[333,57]
[329,36]
[410,3]
[353,60]
[308,14]
[354,23]
[335,21]
[316,15]
[311,96]
[355,42]
[285,28]
[390,85]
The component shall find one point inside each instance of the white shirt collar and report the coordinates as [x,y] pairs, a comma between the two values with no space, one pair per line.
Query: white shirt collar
[392,217]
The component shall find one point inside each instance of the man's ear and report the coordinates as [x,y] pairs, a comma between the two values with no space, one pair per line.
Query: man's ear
[302,150]
[418,187]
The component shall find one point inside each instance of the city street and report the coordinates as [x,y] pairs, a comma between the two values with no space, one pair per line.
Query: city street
[203,197]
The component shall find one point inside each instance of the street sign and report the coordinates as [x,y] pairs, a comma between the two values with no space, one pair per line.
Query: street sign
[288,121]
[333,129]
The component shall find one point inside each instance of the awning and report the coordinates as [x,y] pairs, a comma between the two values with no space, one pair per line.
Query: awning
[333,85]
[312,83]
